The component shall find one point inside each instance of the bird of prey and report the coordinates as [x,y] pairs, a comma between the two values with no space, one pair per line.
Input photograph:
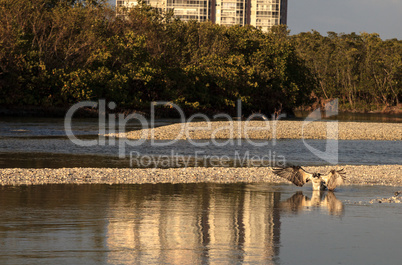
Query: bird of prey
[298,176]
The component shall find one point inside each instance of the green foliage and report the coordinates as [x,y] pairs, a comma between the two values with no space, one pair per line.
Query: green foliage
[362,70]
[61,52]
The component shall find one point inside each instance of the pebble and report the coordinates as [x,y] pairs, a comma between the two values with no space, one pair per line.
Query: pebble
[268,130]
[397,198]
[388,175]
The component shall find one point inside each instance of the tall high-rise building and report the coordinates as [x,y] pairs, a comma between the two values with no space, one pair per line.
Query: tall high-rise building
[259,13]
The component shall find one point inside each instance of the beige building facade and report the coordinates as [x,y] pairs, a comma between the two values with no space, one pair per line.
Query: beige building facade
[259,13]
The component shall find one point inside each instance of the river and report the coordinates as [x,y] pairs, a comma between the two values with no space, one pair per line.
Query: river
[196,224]
[43,143]
[189,223]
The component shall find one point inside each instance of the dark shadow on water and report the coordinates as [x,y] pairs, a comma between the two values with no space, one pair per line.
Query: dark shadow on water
[41,142]
[51,160]
[56,153]
[358,117]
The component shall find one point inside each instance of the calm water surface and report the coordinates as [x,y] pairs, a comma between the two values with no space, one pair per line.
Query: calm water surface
[43,143]
[197,224]
[53,153]
[188,223]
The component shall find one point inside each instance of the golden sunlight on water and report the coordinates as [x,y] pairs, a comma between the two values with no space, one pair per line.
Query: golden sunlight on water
[209,226]
[196,224]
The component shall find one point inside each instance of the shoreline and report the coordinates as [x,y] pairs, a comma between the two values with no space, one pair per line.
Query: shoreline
[385,175]
[60,111]
[266,130]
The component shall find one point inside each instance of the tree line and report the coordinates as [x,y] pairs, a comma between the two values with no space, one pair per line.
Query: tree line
[363,71]
[59,52]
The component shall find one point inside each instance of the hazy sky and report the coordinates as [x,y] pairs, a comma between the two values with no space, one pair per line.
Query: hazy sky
[379,16]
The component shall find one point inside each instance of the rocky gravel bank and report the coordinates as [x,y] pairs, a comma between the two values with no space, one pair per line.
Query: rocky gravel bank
[269,130]
[389,175]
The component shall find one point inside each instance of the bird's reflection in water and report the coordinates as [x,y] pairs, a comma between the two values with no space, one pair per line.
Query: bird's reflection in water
[325,200]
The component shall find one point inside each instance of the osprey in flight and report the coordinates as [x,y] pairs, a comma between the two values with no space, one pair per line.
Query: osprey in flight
[298,176]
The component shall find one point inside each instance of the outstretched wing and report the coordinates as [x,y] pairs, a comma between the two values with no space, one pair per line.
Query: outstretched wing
[334,178]
[296,174]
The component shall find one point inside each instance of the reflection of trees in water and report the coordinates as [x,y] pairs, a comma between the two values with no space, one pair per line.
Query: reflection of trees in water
[163,223]
[299,202]
[194,224]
